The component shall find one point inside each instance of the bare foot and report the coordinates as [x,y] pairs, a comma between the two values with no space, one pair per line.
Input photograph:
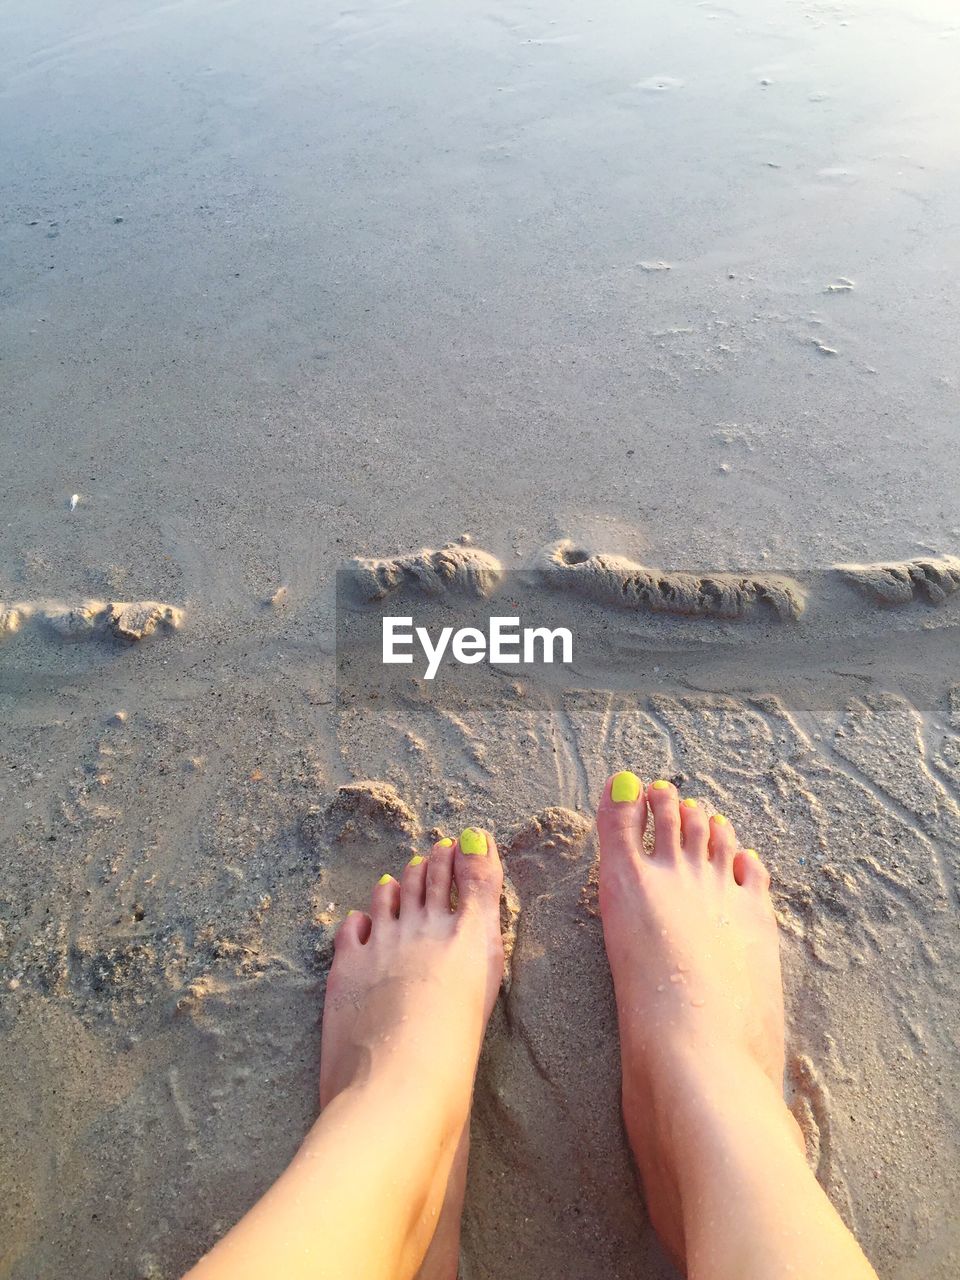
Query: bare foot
[411,989]
[692,941]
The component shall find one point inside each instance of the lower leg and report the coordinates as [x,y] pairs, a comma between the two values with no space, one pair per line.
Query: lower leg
[442,1259]
[750,1207]
[692,941]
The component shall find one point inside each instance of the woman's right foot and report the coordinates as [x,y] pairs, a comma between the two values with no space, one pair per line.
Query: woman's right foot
[691,937]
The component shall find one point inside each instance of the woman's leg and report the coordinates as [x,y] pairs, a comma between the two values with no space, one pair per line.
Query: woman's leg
[409,995]
[692,941]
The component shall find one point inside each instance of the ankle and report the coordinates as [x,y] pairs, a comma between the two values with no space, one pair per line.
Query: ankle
[686,1085]
[406,1096]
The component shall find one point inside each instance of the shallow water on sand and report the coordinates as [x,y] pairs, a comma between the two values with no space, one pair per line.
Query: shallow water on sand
[384,272]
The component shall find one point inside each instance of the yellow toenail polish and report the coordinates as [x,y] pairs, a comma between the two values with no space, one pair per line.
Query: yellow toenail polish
[472,841]
[624,787]
[385,879]
[660,785]
[445,843]
[691,803]
[415,860]
[353,911]
[752,853]
[720,819]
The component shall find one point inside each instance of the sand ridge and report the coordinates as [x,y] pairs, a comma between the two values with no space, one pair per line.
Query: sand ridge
[901,582]
[613,579]
[457,566]
[609,579]
[616,580]
[126,619]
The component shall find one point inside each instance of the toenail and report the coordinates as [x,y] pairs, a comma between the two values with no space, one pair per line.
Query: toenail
[752,853]
[624,787]
[660,785]
[385,879]
[691,803]
[353,912]
[718,817]
[445,843]
[472,841]
[415,860]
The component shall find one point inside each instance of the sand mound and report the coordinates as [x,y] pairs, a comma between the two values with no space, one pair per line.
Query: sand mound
[374,823]
[371,810]
[12,617]
[616,580]
[455,567]
[133,620]
[560,830]
[900,582]
[126,619]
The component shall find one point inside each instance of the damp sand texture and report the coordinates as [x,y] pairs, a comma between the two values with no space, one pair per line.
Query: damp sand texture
[173,886]
[665,287]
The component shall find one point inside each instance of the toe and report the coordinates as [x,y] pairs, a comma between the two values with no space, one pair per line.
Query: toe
[665,806]
[477,869]
[622,817]
[694,829]
[353,932]
[439,875]
[385,899]
[621,820]
[750,872]
[723,842]
[413,884]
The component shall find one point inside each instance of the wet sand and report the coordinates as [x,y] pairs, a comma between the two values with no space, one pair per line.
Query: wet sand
[665,294]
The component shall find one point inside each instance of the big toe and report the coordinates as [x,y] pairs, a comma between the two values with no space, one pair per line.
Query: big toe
[477,869]
[621,817]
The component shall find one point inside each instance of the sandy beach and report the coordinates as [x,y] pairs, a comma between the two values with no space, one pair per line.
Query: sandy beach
[648,316]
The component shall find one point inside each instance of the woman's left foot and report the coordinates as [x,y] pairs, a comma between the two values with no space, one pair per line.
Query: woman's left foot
[410,992]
